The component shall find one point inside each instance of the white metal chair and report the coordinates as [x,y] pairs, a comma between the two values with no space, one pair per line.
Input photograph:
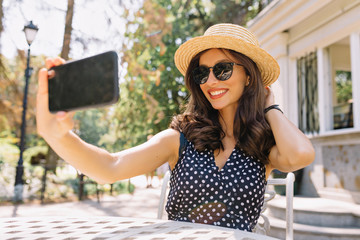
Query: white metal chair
[261,228]
[264,226]
[164,188]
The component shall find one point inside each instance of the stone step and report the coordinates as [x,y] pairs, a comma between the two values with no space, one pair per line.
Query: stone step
[318,212]
[308,232]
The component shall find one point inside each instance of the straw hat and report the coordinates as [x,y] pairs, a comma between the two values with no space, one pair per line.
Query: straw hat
[234,37]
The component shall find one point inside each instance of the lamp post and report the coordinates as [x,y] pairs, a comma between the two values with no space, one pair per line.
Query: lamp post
[30,33]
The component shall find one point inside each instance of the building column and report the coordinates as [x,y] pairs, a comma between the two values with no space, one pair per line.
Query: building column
[324,90]
[355,75]
[277,47]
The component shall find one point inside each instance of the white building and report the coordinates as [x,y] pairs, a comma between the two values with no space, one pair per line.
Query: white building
[317,45]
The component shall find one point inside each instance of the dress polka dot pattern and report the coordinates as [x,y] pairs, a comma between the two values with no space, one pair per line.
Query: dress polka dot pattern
[230,197]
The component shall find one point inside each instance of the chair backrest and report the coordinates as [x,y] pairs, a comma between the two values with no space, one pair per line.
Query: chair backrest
[164,188]
[264,227]
[261,228]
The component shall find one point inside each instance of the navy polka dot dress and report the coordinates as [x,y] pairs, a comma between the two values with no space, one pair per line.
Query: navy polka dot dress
[201,193]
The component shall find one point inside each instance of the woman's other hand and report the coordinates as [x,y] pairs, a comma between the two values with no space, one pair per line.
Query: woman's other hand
[269,97]
[50,126]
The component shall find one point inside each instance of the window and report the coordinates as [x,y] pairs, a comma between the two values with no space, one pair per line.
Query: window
[341,84]
[307,81]
[343,114]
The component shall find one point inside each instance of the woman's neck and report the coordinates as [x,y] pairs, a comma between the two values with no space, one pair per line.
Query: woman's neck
[227,121]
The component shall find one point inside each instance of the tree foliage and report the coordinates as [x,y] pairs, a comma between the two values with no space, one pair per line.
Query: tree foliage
[343,86]
[12,81]
[234,11]
[152,90]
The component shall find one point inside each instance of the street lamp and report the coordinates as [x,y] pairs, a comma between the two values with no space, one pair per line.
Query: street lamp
[30,33]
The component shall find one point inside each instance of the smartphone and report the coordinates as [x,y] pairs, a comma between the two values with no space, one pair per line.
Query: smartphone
[86,83]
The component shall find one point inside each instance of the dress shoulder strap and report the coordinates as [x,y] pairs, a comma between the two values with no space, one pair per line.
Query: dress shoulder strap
[183,143]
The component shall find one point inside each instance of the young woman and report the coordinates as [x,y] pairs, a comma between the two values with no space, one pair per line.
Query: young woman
[221,149]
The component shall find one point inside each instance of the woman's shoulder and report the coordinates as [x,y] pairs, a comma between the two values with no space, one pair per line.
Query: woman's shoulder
[169,134]
[168,138]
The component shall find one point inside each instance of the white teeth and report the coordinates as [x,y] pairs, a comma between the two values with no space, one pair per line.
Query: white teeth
[214,93]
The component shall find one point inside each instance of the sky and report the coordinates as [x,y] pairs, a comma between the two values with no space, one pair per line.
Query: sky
[49,37]
[49,15]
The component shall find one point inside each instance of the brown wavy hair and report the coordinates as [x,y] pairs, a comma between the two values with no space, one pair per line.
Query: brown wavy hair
[200,121]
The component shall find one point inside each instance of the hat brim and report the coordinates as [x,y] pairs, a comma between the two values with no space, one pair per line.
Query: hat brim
[268,66]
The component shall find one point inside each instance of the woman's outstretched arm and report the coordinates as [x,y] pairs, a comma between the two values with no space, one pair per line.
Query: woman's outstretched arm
[93,161]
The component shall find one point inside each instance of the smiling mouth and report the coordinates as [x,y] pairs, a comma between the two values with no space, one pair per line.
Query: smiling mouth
[217,94]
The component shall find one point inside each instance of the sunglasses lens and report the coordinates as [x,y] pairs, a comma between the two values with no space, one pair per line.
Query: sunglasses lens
[201,74]
[223,71]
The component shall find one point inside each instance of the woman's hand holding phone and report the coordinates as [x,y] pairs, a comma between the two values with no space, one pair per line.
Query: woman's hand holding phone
[55,126]
[90,82]
[50,126]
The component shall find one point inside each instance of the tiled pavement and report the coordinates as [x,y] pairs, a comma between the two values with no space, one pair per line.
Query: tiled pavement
[142,203]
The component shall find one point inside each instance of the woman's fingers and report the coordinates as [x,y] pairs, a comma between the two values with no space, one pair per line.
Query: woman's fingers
[268,89]
[65,120]
[51,62]
[44,75]
[64,116]
[50,125]
[59,61]
[270,98]
[43,81]
[42,101]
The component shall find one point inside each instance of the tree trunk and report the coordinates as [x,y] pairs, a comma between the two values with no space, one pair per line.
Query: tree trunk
[68,29]
[52,157]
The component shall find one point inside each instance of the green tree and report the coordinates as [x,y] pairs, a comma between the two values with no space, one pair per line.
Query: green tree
[234,11]
[154,90]
[343,86]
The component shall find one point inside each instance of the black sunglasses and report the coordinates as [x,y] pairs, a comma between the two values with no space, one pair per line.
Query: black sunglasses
[222,71]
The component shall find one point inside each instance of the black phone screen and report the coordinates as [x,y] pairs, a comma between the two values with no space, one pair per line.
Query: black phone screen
[85,83]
